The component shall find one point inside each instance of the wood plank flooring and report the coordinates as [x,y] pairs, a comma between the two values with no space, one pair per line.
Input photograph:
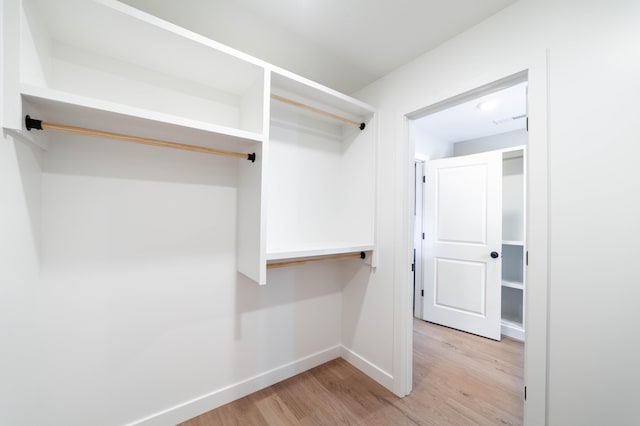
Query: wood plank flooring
[458,379]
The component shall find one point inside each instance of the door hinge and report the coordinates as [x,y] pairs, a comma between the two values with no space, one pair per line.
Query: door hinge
[527,128]
[525,393]
[413,266]
[422,293]
[423,235]
[526,260]
[424,179]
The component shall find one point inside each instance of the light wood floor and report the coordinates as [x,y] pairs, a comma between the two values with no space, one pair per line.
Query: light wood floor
[458,379]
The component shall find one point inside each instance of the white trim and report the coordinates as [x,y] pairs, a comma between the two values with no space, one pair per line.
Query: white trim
[190,409]
[367,367]
[403,294]
[537,239]
[500,84]
[536,349]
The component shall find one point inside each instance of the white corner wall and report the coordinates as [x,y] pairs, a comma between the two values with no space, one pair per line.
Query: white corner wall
[119,297]
[591,111]
[235,25]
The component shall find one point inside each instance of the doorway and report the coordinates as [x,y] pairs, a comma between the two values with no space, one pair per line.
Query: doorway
[471,274]
[470,231]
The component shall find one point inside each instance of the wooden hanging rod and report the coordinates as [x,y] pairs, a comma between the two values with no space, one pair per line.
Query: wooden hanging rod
[31,123]
[360,126]
[361,255]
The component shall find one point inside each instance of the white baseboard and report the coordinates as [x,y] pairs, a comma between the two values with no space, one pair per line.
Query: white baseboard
[513,331]
[217,398]
[368,368]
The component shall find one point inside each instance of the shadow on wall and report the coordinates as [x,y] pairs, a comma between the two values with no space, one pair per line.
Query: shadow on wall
[94,157]
[29,161]
[357,281]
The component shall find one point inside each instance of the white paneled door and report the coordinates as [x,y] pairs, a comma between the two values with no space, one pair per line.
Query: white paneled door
[463,240]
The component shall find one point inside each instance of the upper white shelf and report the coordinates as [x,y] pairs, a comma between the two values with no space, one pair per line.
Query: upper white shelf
[103,65]
[319,98]
[306,89]
[65,108]
[56,102]
[104,54]
[121,32]
[513,242]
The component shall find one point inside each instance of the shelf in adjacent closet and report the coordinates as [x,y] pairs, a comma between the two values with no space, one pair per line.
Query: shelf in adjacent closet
[513,284]
[512,323]
[512,243]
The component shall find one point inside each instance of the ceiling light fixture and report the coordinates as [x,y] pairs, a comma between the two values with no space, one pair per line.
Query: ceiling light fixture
[487,105]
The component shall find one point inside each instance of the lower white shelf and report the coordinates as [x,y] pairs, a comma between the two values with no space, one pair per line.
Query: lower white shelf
[306,252]
[281,259]
[512,329]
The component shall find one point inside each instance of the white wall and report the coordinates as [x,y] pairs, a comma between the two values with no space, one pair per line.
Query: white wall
[114,341]
[119,296]
[432,147]
[243,29]
[592,111]
[19,254]
[490,143]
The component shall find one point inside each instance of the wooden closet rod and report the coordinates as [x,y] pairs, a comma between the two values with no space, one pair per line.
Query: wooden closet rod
[318,111]
[361,255]
[31,123]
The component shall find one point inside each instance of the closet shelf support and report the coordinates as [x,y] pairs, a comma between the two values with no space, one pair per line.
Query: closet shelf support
[361,255]
[360,126]
[31,123]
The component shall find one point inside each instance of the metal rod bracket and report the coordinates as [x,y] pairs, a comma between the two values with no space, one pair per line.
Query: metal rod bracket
[31,123]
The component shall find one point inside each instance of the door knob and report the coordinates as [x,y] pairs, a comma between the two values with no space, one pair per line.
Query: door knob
[494,255]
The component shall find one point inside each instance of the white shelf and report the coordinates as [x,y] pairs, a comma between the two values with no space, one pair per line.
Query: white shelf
[121,32]
[71,109]
[328,98]
[318,97]
[512,329]
[321,173]
[513,245]
[316,252]
[512,322]
[512,284]
[313,181]
[148,68]
[51,99]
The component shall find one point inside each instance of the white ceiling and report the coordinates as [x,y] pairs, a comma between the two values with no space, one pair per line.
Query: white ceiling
[344,44]
[466,121]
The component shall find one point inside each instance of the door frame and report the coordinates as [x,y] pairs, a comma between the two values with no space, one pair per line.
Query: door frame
[536,303]
[418,275]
